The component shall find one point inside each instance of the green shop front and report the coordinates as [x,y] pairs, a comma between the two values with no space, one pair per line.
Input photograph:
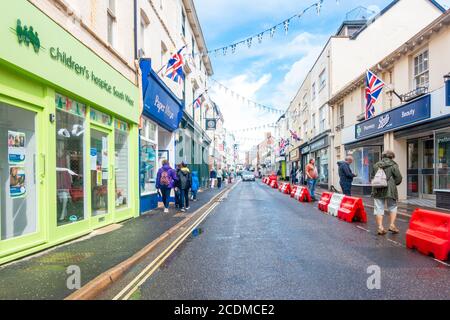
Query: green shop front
[68,136]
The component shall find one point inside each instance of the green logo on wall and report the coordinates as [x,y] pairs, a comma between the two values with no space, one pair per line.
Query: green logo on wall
[27,35]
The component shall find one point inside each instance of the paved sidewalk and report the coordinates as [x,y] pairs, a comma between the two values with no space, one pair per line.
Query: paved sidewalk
[43,276]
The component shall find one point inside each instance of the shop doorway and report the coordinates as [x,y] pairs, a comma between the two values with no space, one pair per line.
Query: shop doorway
[21,169]
[102,177]
[421,168]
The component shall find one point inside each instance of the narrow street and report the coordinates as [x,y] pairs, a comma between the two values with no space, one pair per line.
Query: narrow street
[261,244]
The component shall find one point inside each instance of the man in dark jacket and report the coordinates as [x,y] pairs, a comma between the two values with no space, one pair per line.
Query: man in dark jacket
[346,175]
[185,183]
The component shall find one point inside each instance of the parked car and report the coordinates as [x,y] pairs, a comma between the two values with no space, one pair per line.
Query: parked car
[248,176]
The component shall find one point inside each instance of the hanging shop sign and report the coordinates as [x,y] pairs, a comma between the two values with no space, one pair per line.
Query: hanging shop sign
[33,42]
[160,104]
[211,124]
[408,114]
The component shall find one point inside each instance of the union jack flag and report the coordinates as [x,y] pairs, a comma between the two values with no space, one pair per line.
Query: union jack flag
[174,68]
[198,102]
[374,86]
[294,135]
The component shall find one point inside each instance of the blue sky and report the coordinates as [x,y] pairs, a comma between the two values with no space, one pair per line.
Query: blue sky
[271,72]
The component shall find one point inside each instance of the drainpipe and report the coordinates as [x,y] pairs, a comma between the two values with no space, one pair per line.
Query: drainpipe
[447,89]
[135,31]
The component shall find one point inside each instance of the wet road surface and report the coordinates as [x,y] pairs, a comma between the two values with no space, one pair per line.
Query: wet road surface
[261,244]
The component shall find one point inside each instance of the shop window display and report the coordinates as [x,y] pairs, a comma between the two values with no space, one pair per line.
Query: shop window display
[148,158]
[121,165]
[18,202]
[70,126]
[363,160]
[443,160]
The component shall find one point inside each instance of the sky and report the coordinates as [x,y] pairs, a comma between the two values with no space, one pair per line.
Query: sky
[271,72]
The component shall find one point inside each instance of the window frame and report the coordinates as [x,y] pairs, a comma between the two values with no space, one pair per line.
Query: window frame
[415,68]
[147,139]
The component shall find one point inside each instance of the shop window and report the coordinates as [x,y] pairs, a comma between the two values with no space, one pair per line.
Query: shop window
[443,160]
[121,136]
[148,158]
[363,160]
[18,202]
[70,182]
[100,117]
[323,165]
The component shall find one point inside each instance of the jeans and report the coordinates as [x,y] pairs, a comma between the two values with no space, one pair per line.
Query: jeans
[219,183]
[346,189]
[381,204]
[194,194]
[165,193]
[312,187]
[184,196]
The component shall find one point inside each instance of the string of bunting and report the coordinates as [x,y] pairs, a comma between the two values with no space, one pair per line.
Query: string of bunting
[259,37]
[249,102]
[262,127]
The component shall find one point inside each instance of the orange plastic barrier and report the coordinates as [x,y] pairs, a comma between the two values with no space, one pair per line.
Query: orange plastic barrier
[352,209]
[285,188]
[429,232]
[302,194]
[325,201]
[274,184]
[293,190]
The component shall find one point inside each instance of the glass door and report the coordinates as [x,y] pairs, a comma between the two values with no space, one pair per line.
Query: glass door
[101,168]
[427,169]
[413,168]
[21,170]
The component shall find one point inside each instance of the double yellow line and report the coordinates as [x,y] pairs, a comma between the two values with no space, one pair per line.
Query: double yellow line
[126,292]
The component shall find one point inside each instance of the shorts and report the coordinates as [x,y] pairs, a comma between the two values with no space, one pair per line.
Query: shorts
[380,206]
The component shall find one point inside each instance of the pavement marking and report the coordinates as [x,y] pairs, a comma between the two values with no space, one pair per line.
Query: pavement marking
[156,263]
[126,292]
[395,242]
[359,227]
[442,262]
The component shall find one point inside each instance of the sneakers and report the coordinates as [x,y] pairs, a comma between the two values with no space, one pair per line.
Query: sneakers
[188,208]
[166,210]
[183,210]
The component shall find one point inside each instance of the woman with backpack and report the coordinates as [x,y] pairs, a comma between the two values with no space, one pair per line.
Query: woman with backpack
[385,178]
[165,181]
[185,183]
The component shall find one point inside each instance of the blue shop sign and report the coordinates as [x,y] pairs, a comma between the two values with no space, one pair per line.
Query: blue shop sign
[410,113]
[160,104]
[447,93]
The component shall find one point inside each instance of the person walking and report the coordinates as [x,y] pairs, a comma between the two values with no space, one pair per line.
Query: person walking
[176,188]
[346,175]
[195,185]
[312,175]
[185,183]
[385,177]
[165,180]
[219,178]
[213,177]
